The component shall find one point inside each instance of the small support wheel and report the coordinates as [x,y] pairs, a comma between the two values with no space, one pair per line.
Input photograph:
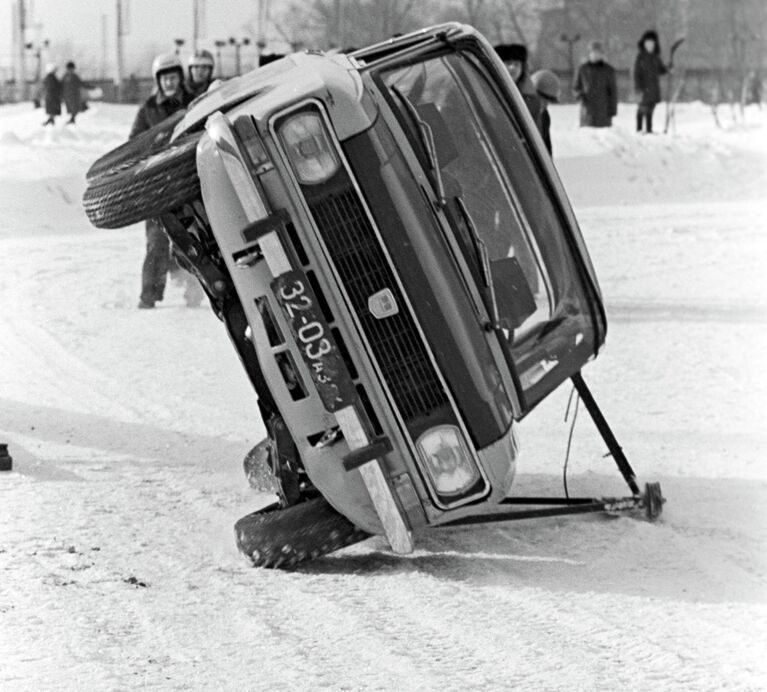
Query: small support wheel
[653,501]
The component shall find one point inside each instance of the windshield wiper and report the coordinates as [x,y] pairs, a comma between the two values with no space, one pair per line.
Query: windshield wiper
[483,258]
[427,140]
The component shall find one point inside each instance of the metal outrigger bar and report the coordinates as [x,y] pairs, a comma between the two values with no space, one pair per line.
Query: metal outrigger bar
[651,500]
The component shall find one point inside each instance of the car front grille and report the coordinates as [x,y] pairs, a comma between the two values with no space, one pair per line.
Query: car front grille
[365,270]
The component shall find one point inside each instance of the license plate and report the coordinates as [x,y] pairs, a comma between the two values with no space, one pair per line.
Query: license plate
[314,340]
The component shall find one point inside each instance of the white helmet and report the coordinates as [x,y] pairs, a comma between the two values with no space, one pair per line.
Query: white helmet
[201,58]
[166,62]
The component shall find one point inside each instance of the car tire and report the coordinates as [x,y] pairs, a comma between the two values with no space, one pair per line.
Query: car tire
[149,142]
[282,538]
[155,183]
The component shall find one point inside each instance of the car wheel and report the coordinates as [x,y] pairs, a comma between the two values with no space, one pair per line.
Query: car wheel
[284,537]
[149,142]
[156,183]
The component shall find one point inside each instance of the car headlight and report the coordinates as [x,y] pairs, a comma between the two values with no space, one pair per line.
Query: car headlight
[447,460]
[308,147]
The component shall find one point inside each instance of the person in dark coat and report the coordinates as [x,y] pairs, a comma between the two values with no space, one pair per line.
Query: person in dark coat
[547,86]
[51,94]
[168,97]
[514,56]
[648,69]
[71,89]
[595,87]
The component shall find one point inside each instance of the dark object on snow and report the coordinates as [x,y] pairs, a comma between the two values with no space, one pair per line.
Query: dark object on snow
[6,462]
[135,582]
[595,87]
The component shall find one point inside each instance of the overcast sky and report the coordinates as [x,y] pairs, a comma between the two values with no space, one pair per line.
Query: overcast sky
[74,28]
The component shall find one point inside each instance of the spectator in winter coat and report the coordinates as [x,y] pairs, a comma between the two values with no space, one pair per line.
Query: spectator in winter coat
[168,97]
[71,88]
[547,86]
[595,87]
[51,94]
[514,56]
[200,68]
[648,69]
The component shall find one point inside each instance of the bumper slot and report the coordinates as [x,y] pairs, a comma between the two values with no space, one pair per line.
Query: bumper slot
[374,450]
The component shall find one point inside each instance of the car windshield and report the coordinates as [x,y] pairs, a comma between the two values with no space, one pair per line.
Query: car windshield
[495,196]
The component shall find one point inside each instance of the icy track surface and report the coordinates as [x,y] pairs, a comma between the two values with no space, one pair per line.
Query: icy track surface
[118,568]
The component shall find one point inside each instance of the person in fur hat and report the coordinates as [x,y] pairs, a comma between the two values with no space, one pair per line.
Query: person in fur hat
[514,56]
[648,69]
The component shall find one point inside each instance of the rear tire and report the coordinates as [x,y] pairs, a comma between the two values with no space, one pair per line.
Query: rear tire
[282,538]
[147,187]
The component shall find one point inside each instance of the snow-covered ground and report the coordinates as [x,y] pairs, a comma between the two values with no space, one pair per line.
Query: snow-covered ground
[118,568]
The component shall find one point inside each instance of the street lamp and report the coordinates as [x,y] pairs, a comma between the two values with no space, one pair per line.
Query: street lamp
[38,53]
[219,45]
[179,42]
[237,45]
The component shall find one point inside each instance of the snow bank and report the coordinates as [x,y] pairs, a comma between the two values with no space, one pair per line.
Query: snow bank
[127,427]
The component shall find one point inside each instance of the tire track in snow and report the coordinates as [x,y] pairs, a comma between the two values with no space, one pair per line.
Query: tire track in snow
[56,376]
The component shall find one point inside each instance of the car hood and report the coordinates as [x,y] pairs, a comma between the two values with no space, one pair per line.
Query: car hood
[331,77]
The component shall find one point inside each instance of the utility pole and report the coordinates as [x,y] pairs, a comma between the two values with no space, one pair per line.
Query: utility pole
[198,18]
[219,45]
[237,56]
[104,47]
[22,47]
[339,24]
[119,51]
[263,16]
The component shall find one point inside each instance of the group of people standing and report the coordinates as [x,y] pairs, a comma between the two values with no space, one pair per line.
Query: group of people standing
[594,87]
[173,91]
[67,91]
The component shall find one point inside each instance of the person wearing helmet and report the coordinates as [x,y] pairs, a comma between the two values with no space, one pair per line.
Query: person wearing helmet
[595,87]
[200,67]
[169,96]
[546,85]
